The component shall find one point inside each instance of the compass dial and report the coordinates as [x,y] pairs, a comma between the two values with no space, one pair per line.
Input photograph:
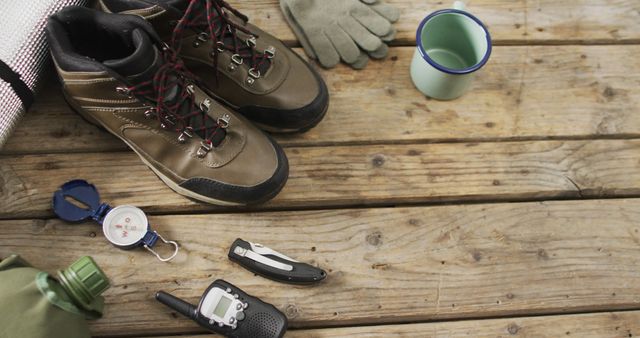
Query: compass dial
[125,225]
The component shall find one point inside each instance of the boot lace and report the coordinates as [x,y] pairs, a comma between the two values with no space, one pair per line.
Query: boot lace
[171,92]
[214,23]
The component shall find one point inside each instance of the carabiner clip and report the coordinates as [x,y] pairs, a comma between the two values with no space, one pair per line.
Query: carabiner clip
[175,252]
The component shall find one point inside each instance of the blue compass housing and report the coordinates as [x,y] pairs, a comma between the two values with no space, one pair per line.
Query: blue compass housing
[83,192]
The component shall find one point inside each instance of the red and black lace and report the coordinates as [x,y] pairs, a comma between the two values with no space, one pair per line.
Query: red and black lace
[175,106]
[211,19]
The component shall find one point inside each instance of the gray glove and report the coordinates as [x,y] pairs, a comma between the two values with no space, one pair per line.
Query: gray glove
[331,30]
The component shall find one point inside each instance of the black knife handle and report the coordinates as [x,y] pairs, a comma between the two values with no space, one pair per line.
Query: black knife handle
[302,273]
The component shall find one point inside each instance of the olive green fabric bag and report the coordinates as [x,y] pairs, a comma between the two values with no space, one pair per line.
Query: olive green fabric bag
[33,304]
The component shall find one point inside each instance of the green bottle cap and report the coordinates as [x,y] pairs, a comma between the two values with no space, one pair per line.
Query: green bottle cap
[84,281]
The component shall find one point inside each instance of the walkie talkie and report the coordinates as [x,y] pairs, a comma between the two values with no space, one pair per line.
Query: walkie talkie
[229,311]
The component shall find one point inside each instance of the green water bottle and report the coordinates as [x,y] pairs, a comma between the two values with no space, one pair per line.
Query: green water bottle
[35,304]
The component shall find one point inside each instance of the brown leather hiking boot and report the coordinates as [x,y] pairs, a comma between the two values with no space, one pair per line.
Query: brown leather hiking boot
[237,63]
[117,73]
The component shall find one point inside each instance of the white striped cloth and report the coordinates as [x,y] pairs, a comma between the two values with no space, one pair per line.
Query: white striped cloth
[23,47]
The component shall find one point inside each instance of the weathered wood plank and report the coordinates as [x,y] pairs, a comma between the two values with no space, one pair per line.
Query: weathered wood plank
[384,265]
[600,325]
[355,175]
[525,92]
[509,21]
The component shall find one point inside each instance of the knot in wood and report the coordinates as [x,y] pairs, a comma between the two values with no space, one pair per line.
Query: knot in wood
[513,328]
[375,238]
[291,311]
[378,161]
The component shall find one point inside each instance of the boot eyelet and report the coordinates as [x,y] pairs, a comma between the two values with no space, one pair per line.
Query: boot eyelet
[204,105]
[237,59]
[187,133]
[220,46]
[190,89]
[270,52]
[150,113]
[251,41]
[224,121]
[254,73]
[167,122]
[124,91]
[202,38]
[232,67]
[205,148]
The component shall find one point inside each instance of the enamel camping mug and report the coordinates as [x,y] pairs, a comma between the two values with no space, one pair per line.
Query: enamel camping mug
[451,45]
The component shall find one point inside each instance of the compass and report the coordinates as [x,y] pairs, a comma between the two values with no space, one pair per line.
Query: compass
[125,226]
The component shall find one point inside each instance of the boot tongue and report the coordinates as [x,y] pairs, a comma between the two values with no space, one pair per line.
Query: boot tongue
[142,63]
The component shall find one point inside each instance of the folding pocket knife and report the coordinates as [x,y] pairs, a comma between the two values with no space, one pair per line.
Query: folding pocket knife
[273,265]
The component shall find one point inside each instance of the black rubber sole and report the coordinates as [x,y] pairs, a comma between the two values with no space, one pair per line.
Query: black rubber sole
[244,195]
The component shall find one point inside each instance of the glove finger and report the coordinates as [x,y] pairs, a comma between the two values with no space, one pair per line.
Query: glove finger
[360,62]
[389,12]
[297,29]
[306,46]
[370,19]
[391,36]
[343,44]
[323,48]
[380,53]
[360,35]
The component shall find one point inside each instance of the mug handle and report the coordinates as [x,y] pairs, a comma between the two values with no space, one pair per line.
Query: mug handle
[459,5]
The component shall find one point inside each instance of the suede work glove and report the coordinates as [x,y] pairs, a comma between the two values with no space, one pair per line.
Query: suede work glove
[347,30]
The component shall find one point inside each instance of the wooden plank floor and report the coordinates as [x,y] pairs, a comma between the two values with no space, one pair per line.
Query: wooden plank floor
[512,211]
[619,324]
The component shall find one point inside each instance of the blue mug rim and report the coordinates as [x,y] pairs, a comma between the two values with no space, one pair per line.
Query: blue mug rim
[446,69]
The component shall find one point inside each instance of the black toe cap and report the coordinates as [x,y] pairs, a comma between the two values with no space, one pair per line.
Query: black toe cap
[291,120]
[242,194]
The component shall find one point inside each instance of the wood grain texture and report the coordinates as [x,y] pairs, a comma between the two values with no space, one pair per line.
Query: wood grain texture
[384,265]
[509,21]
[356,175]
[600,325]
[524,92]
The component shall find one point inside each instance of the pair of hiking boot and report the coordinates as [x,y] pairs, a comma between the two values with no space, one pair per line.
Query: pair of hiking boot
[130,69]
